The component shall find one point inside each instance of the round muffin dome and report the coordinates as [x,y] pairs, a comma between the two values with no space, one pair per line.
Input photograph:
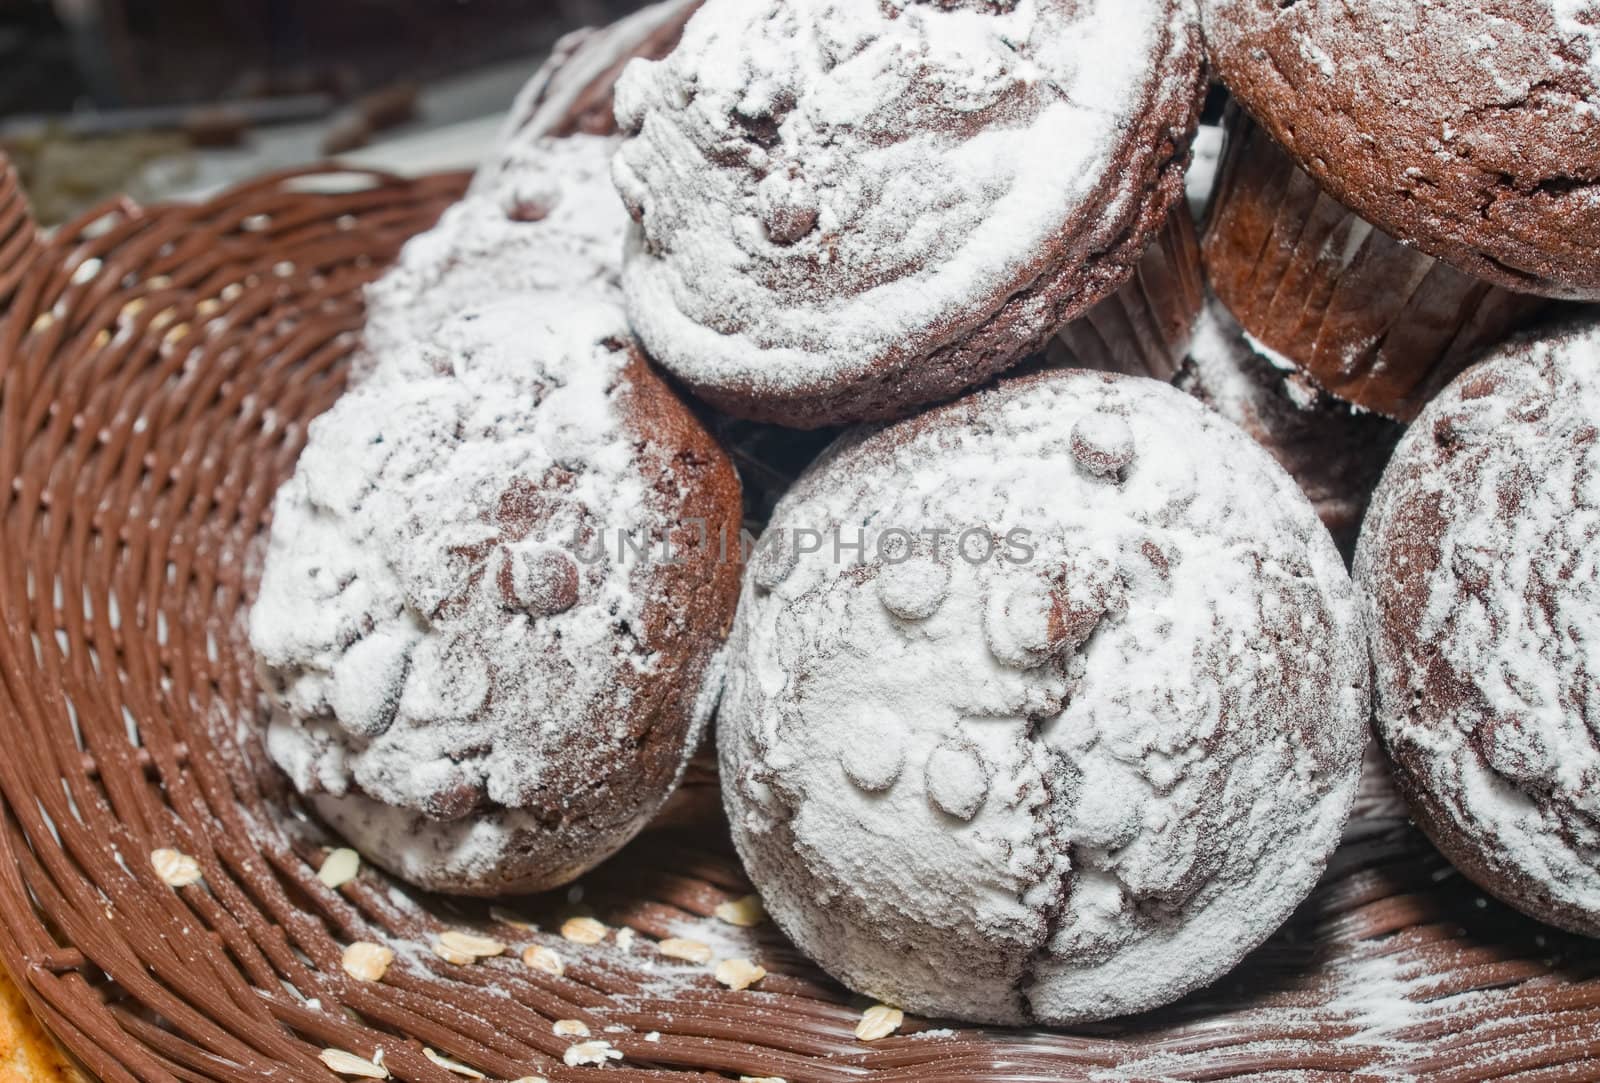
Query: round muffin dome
[1470,129]
[487,672]
[1479,576]
[850,210]
[1045,706]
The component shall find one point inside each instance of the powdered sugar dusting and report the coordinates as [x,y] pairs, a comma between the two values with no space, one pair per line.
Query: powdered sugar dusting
[447,672]
[1068,784]
[1578,25]
[1482,586]
[828,187]
[543,216]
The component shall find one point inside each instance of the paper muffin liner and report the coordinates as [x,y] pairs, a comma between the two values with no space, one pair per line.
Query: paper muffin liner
[1143,329]
[1369,319]
[1334,451]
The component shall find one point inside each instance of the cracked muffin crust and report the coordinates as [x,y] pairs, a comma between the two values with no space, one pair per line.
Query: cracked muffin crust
[844,211]
[1478,574]
[487,669]
[1072,757]
[1468,128]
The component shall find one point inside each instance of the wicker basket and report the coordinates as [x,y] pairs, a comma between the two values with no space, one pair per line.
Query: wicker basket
[158,367]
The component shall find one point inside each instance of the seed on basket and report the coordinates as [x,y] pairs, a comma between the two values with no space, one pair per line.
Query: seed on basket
[452,1065]
[739,974]
[596,1052]
[542,958]
[746,913]
[625,938]
[583,930]
[176,869]
[762,1079]
[464,948]
[570,1028]
[690,951]
[339,868]
[365,961]
[879,1021]
[515,921]
[350,1064]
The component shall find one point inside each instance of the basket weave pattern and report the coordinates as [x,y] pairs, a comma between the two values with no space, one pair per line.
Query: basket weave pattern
[158,367]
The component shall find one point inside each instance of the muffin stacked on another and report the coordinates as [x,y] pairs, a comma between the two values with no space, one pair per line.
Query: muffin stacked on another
[847,211]
[1418,161]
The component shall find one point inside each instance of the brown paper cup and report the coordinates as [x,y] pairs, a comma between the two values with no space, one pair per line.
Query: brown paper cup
[1143,329]
[1370,320]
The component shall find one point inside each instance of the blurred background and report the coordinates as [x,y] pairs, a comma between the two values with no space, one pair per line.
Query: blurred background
[176,98]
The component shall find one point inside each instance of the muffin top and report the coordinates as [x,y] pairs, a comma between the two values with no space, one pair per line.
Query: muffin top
[829,194]
[1075,725]
[1470,129]
[449,621]
[542,217]
[1481,578]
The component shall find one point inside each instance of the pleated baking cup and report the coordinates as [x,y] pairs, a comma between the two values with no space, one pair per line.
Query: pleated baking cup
[1369,319]
[1144,328]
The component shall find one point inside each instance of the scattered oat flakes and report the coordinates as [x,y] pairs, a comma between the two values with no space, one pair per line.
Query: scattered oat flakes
[625,938]
[596,1052]
[762,1079]
[583,930]
[366,961]
[176,869]
[571,1028]
[739,974]
[515,921]
[690,951]
[479,947]
[349,1064]
[542,958]
[452,1065]
[339,868]
[879,1021]
[653,1036]
[452,955]
[531,1079]
[746,913]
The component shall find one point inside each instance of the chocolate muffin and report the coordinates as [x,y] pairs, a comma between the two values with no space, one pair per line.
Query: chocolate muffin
[541,213]
[1469,129]
[1335,452]
[494,600]
[1477,570]
[1416,162]
[845,211]
[1044,706]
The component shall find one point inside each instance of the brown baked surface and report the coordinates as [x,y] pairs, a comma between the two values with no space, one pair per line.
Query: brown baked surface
[27,1053]
[1486,158]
